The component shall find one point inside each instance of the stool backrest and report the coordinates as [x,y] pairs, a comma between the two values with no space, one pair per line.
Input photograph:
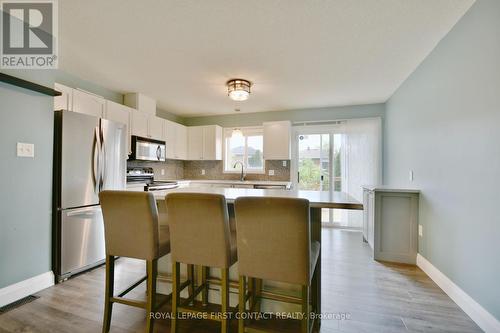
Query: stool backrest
[199,229]
[130,224]
[273,238]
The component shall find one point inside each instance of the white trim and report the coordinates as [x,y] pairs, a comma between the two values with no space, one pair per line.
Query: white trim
[25,288]
[485,320]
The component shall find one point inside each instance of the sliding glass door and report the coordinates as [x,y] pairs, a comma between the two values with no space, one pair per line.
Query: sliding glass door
[319,165]
[338,156]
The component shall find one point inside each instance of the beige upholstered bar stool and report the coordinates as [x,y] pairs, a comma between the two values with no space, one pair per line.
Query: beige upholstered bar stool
[274,243]
[131,230]
[200,235]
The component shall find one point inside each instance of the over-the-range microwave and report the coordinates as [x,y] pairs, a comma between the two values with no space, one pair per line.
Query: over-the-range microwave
[145,149]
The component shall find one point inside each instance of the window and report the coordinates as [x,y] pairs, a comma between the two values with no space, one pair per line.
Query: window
[247,149]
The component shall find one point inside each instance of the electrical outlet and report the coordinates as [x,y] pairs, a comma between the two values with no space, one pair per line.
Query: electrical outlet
[410,175]
[271,172]
[284,163]
[163,172]
[25,150]
[202,172]
[420,230]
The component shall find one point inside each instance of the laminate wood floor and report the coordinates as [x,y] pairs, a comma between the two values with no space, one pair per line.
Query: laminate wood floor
[373,296]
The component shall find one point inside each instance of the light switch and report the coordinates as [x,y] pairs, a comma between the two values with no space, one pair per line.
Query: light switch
[25,150]
[420,230]
[284,163]
[163,172]
[203,172]
[271,172]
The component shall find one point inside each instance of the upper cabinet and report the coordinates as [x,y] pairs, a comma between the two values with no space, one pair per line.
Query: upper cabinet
[121,114]
[176,140]
[205,142]
[65,101]
[145,125]
[139,123]
[88,103]
[155,125]
[140,102]
[277,138]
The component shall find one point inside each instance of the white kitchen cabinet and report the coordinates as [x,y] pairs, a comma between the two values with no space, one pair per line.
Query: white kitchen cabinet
[176,140]
[139,123]
[121,114]
[390,223]
[65,101]
[205,142]
[88,103]
[277,139]
[212,142]
[180,141]
[155,128]
[140,102]
[195,143]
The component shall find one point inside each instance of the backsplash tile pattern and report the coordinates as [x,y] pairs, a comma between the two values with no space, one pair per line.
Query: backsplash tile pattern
[173,169]
[214,170]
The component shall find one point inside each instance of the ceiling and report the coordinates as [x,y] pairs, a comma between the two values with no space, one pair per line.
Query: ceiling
[298,54]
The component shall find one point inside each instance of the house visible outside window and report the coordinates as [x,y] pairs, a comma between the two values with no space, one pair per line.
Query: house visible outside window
[247,148]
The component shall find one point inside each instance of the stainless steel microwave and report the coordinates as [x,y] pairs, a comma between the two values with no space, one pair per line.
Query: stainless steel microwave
[144,149]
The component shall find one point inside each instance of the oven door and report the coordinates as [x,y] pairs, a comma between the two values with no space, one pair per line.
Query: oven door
[144,149]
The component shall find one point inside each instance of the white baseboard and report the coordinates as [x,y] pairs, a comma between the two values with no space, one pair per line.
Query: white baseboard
[25,288]
[485,320]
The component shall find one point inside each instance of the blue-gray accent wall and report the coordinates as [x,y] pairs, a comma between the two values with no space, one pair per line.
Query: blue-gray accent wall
[26,183]
[444,124]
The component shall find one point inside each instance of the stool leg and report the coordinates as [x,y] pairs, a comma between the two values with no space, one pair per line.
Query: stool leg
[305,310]
[224,292]
[175,295]
[110,281]
[204,276]
[152,268]
[257,289]
[190,276]
[241,304]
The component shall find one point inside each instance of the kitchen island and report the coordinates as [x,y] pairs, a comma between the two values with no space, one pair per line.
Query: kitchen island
[317,199]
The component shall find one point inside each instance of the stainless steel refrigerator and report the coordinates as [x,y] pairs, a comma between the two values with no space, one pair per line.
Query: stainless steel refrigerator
[90,155]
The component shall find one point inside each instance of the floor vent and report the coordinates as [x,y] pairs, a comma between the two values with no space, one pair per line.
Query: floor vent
[18,303]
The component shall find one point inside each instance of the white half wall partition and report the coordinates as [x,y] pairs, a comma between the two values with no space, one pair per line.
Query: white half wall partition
[363,160]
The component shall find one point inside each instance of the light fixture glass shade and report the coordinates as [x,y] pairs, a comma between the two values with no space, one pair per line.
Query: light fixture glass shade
[237,133]
[238,89]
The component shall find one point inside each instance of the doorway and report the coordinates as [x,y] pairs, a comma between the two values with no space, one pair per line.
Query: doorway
[319,165]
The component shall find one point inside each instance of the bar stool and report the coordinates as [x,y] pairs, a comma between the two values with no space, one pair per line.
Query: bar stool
[200,235]
[131,230]
[274,243]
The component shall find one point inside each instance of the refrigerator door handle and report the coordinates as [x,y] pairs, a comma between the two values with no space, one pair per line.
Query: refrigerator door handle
[102,160]
[96,167]
[98,175]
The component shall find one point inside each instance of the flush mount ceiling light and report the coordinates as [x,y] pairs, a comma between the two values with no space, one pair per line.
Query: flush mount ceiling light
[238,89]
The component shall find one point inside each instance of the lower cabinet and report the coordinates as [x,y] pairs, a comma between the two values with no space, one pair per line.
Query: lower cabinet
[390,223]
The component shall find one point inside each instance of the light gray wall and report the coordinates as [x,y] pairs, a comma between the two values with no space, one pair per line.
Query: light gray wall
[444,124]
[25,183]
[255,119]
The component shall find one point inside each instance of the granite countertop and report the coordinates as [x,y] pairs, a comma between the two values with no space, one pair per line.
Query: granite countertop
[317,199]
[386,188]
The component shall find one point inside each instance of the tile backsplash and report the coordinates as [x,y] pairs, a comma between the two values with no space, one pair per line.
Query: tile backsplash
[214,170]
[174,169]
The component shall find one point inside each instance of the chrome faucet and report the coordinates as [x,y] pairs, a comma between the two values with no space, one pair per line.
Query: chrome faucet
[242,177]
